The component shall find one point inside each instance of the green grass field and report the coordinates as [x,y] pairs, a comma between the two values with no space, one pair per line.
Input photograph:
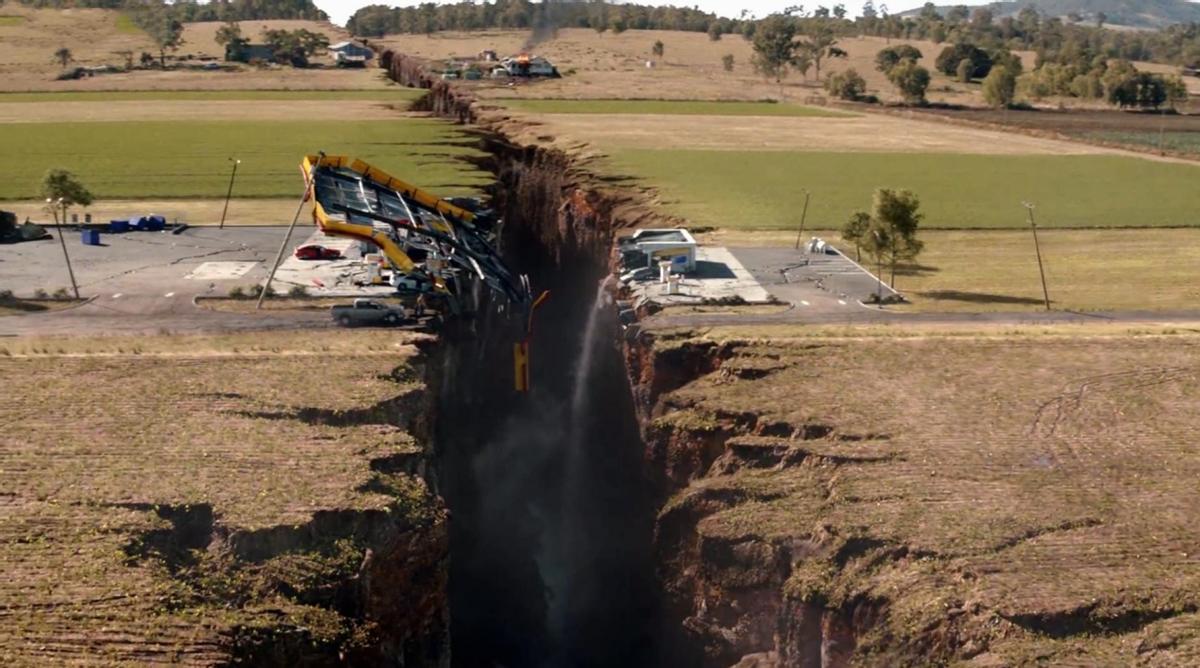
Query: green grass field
[11,20]
[765,190]
[669,107]
[190,159]
[396,94]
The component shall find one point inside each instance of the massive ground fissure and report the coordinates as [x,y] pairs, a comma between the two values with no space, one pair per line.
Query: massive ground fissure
[552,515]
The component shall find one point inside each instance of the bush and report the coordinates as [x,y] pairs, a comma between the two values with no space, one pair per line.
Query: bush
[6,296]
[963,73]
[846,85]
[947,62]
[62,293]
[727,62]
[40,294]
[256,290]
[999,87]
[298,292]
[890,57]
[911,80]
[236,292]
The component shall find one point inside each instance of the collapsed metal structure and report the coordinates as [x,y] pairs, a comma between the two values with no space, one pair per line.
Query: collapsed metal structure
[420,234]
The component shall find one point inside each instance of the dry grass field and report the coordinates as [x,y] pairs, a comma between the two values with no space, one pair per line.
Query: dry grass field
[1012,497]
[142,475]
[995,270]
[611,66]
[96,36]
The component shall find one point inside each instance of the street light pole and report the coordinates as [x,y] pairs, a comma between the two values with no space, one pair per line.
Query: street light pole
[229,193]
[53,205]
[803,215]
[308,185]
[1038,249]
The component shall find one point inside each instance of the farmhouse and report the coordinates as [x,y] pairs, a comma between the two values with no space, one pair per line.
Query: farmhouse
[350,54]
[525,65]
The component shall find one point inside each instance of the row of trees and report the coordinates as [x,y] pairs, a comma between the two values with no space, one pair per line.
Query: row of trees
[209,10]
[293,47]
[378,20]
[1051,37]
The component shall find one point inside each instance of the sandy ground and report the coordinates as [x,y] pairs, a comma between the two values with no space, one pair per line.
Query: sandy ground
[193,212]
[196,110]
[866,132]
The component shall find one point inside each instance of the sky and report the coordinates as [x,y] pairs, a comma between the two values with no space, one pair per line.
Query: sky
[340,10]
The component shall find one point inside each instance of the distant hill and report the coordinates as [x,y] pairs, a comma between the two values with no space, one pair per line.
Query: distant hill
[1129,13]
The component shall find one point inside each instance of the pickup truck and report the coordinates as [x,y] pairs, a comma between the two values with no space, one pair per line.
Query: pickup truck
[368,312]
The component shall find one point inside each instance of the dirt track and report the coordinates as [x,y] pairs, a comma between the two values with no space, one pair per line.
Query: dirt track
[867,132]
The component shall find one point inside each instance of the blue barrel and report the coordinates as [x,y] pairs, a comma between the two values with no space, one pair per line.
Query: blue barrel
[118,226]
[91,237]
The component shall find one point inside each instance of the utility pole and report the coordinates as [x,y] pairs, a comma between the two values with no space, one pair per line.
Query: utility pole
[308,183]
[1038,249]
[803,215]
[878,269]
[53,206]
[229,193]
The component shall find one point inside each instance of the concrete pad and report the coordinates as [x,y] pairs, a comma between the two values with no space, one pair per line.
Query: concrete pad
[217,271]
[719,275]
[328,278]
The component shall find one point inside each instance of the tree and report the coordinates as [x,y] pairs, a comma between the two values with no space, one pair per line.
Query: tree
[727,62]
[230,37]
[911,80]
[894,223]
[846,85]
[774,48]
[822,44]
[999,87]
[888,58]
[63,55]
[1101,17]
[855,231]
[165,30]
[62,188]
[714,31]
[658,49]
[1177,94]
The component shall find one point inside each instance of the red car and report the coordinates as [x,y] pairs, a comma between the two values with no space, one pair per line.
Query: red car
[318,253]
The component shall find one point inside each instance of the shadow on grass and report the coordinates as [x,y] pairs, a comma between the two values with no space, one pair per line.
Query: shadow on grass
[977,297]
[914,269]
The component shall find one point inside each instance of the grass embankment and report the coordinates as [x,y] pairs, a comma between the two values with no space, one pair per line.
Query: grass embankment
[667,107]
[979,475]
[996,270]
[116,485]
[391,94]
[190,159]
[765,189]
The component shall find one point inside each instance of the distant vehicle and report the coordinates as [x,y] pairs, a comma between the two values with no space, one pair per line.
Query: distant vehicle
[313,252]
[412,283]
[368,312]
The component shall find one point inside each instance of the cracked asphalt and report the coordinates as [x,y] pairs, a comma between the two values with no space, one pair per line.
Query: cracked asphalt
[139,282]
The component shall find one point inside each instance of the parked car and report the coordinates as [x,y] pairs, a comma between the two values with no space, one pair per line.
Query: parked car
[314,252]
[412,283]
[368,312]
